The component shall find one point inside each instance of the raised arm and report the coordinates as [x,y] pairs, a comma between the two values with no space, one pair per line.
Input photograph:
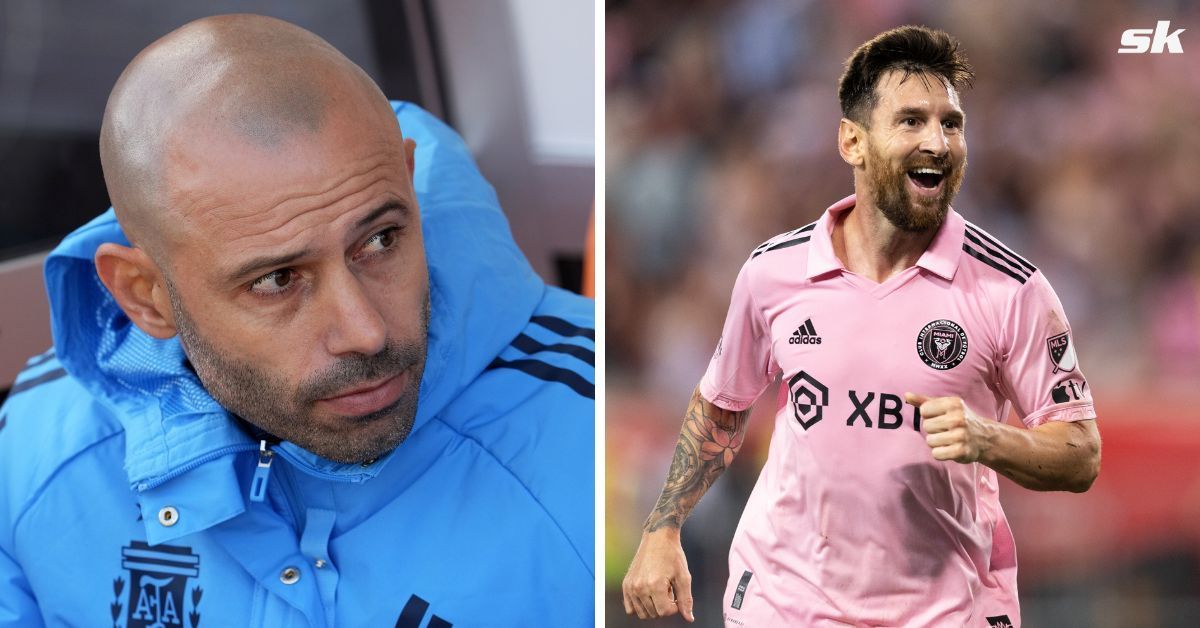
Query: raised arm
[658,583]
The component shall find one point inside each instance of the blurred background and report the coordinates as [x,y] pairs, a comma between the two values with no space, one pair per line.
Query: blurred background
[515,77]
[721,121]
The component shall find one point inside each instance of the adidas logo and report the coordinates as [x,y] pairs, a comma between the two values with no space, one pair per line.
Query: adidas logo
[805,334]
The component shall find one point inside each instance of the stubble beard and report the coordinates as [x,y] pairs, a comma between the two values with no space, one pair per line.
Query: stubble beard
[286,411]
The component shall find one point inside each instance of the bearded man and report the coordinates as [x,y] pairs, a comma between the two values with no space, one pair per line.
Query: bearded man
[302,375]
[868,512]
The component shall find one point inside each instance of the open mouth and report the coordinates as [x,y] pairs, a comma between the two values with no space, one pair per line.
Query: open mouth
[926,178]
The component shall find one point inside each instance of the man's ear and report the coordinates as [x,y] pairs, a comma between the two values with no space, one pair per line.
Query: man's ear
[410,151]
[852,142]
[138,287]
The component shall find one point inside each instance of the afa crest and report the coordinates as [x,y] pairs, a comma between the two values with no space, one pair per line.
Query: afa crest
[158,587]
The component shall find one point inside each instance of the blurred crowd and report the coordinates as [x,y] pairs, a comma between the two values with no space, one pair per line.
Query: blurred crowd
[721,120]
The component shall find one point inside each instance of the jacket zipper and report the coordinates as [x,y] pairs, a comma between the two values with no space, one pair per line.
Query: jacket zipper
[209,457]
[306,468]
[262,476]
[262,473]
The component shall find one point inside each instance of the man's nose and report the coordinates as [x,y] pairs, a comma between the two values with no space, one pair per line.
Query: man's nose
[354,323]
[934,141]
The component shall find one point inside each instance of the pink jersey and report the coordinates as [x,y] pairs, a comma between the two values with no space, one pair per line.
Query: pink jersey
[852,521]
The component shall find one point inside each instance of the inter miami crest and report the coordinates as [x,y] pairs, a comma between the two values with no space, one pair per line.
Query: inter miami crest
[158,582]
[942,344]
[1062,354]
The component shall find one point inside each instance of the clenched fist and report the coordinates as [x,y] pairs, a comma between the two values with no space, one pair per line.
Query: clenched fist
[952,430]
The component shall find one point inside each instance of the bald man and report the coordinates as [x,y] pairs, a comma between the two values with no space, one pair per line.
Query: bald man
[302,376]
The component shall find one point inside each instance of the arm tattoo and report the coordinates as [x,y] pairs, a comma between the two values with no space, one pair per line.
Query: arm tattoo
[708,441]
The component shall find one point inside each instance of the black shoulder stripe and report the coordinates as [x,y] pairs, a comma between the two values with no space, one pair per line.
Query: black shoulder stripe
[1016,258]
[809,227]
[548,373]
[563,328]
[48,376]
[528,345]
[3,421]
[770,244]
[998,256]
[990,262]
[782,245]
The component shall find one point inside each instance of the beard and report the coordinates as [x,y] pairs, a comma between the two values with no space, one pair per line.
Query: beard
[904,210]
[287,412]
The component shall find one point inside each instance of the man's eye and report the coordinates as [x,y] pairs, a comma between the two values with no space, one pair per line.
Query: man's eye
[380,242]
[950,124]
[273,283]
[909,121]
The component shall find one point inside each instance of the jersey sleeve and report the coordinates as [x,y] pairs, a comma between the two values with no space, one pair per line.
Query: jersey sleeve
[740,368]
[1039,371]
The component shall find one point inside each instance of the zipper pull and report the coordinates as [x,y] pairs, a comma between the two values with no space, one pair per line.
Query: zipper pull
[258,485]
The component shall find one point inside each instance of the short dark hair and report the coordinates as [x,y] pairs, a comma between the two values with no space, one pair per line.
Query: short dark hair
[910,49]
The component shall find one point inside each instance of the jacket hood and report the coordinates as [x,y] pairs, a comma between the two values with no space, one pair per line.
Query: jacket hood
[482,293]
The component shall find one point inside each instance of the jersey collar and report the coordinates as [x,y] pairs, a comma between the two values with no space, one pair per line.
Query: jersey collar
[941,258]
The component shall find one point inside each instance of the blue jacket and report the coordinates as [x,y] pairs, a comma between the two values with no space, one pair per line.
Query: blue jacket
[124,487]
